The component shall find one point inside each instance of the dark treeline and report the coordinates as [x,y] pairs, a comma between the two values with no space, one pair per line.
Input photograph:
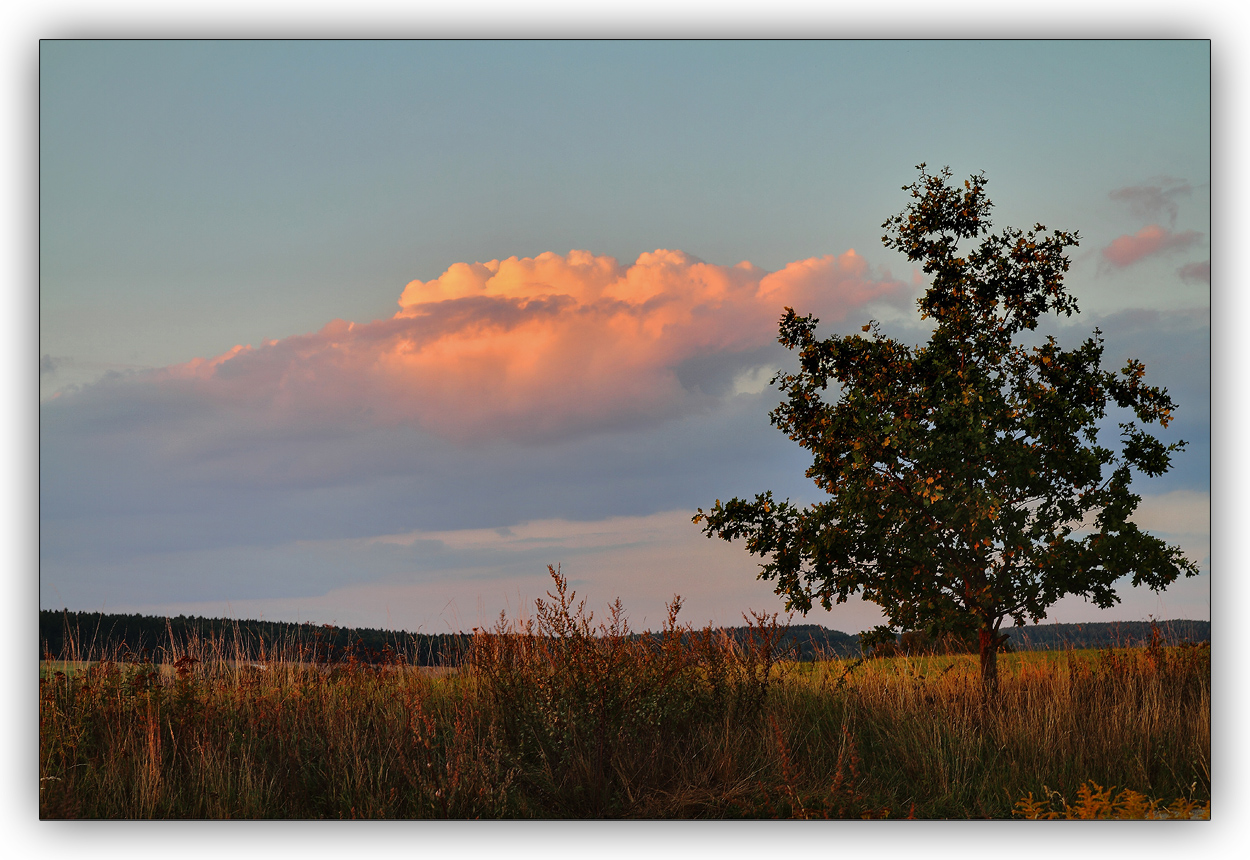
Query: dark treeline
[811,641]
[63,633]
[91,634]
[1054,637]
[1107,634]
[140,636]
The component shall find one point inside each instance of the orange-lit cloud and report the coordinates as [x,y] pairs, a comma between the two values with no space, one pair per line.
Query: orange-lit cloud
[1149,240]
[533,348]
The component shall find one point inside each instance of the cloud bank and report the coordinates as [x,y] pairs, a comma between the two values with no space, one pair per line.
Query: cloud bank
[535,349]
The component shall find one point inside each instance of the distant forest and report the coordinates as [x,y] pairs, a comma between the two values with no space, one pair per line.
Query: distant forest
[91,634]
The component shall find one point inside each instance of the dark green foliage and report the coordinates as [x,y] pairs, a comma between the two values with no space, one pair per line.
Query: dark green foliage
[966,480]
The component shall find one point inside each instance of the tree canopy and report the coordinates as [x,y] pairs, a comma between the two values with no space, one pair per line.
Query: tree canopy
[966,480]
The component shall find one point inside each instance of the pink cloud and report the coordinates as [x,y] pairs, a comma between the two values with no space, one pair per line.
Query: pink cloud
[534,348]
[1148,241]
[1197,272]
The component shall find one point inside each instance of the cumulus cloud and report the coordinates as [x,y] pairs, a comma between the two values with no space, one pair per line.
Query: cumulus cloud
[1146,242]
[536,348]
[1154,200]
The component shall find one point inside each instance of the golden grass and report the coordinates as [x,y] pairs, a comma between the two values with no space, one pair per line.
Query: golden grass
[561,718]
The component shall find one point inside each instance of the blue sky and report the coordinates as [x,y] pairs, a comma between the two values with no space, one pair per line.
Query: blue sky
[199,196]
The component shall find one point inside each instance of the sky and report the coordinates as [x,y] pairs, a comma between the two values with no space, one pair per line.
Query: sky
[372,333]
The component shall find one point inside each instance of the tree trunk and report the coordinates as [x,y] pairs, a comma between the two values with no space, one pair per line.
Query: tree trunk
[989,661]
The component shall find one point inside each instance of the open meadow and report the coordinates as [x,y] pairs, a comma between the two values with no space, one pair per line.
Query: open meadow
[560,718]
[341,341]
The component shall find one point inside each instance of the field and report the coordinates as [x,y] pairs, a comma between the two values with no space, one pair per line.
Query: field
[561,718]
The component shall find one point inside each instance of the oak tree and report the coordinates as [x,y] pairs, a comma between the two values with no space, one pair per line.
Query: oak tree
[965,477]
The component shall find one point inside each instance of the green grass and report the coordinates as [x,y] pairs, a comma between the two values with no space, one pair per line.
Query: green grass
[560,718]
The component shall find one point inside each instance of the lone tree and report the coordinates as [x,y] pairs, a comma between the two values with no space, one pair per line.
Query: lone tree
[966,481]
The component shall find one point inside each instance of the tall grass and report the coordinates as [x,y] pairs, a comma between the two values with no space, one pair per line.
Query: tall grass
[556,716]
[1136,718]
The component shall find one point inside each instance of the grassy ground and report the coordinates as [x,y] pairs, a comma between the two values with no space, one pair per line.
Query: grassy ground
[559,718]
